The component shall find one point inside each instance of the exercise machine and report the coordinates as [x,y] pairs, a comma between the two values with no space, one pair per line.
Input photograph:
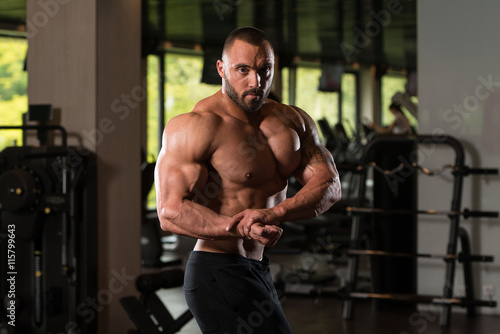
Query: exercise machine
[48,237]
[395,178]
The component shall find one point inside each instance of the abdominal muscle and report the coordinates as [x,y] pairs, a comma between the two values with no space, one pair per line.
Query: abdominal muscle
[244,247]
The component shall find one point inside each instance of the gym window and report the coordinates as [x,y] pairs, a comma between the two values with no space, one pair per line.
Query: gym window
[390,85]
[13,88]
[319,104]
[183,89]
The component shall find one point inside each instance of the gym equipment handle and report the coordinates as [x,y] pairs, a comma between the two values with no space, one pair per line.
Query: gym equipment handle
[490,214]
[484,171]
[460,257]
[476,258]
[466,213]
[64,135]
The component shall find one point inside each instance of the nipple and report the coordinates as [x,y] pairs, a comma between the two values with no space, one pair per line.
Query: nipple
[248,175]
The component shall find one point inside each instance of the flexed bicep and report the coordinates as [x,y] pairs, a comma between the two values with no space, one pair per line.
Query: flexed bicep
[176,181]
[181,175]
[316,173]
[315,158]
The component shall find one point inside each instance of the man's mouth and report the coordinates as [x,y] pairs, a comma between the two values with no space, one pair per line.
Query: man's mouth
[254,95]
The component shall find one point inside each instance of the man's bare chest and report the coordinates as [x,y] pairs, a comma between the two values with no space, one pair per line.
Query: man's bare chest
[252,155]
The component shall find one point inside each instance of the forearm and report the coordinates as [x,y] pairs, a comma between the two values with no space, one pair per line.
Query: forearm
[316,197]
[378,128]
[194,220]
[383,130]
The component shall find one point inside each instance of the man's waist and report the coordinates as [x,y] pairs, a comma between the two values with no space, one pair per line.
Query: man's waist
[227,258]
[245,248]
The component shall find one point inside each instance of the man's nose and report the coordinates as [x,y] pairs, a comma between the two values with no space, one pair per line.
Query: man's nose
[255,80]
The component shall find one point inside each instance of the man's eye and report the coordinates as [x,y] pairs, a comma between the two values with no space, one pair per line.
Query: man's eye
[265,71]
[242,70]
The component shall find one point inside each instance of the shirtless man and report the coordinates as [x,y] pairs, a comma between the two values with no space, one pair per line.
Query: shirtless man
[221,177]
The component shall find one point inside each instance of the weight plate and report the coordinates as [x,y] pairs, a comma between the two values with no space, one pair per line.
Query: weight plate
[17,190]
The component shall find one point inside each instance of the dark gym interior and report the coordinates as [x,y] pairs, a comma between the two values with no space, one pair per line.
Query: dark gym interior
[412,246]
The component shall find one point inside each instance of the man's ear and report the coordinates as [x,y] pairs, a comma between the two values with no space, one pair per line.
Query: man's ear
[220,68]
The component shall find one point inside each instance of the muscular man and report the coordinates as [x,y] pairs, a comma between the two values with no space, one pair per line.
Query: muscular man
[221,177]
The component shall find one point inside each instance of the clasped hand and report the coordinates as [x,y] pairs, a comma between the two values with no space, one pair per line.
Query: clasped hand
[257,224]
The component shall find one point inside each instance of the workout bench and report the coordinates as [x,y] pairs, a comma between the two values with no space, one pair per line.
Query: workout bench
[148,312]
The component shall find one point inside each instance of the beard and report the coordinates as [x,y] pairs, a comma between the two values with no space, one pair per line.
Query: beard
[253,104]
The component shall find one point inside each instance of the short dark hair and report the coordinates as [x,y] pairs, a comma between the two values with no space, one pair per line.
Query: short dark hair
[251,35]
[396,107]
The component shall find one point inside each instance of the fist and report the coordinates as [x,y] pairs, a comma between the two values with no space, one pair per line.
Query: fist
[267,235]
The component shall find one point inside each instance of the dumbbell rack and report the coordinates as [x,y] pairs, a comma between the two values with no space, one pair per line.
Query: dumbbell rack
[456,233]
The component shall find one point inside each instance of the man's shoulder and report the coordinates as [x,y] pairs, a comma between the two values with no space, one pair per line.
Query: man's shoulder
[201,118]
[190,136]
[195,119]
[288,114]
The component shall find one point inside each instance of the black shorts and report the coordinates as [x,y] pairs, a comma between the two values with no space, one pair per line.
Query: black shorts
[231,294]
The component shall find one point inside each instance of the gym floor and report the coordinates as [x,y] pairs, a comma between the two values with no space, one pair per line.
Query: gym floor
[313,314]
[323,315]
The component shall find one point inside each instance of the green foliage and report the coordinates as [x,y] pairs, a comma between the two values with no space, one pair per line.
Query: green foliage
[153,108]
[183,89]
[320,104]
[184,86]
[349,117]
[10,114]
[13,86]
[13,79]
[316,103]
